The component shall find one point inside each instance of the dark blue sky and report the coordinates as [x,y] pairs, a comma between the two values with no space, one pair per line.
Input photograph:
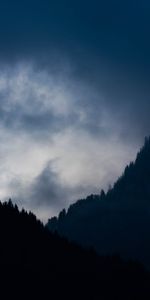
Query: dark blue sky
[117,30]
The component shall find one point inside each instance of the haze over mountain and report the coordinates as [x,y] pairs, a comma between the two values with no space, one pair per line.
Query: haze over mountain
[115,222]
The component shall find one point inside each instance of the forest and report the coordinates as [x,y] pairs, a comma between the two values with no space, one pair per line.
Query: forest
[36,263]
[98,249]
[115,222]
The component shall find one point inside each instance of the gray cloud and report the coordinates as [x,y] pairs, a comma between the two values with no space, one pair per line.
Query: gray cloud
[74,89]
[46,118]
[47,189]
[46,194]
[106,47]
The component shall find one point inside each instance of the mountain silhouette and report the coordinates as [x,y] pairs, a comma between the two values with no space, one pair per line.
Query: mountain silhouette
[117,222]
[35,263]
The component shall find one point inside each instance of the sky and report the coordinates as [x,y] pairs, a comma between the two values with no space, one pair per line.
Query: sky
[74,97]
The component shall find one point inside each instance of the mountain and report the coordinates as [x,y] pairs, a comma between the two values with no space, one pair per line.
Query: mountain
[115,222]
[35,263]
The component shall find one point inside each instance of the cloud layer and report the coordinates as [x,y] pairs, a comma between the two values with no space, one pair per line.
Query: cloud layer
[57,144]
[74,97]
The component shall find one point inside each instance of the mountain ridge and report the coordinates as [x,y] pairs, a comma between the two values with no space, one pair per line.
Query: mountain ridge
[117,221]
[35,263]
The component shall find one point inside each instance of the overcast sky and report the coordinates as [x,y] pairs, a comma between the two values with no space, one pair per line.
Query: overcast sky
[74,97]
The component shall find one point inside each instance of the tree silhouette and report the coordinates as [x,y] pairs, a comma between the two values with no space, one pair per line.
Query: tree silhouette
[36,263]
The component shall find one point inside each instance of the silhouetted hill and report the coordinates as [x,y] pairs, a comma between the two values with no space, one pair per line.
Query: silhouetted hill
[115,222]
[35,263]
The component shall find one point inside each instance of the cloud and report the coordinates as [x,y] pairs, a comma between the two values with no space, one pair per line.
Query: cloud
[48,118]
[74,91]
[46,193]
[80,166]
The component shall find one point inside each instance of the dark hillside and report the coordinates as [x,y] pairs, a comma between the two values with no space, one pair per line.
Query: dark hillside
[118,221]
[35,263]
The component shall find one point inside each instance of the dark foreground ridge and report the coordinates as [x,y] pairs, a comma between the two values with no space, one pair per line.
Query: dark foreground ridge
[115,222]
[35,263]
